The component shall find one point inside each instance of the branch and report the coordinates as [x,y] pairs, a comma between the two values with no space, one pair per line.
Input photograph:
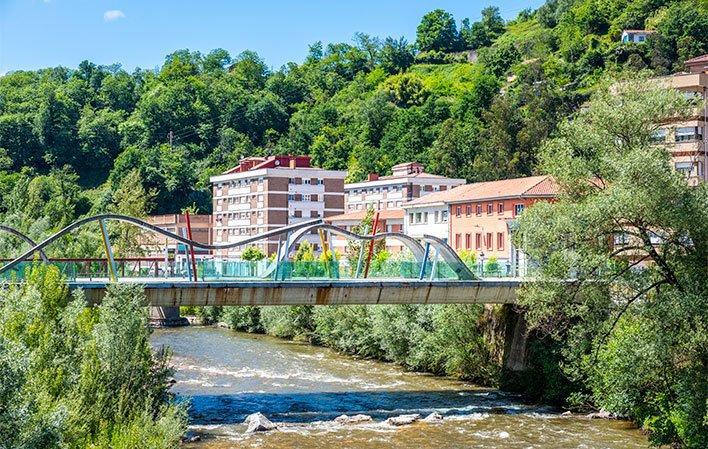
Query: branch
[619,315]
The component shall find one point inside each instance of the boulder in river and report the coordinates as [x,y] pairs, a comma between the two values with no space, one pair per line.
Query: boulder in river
[403,420]
[354,419]
[257,422]
[433,417]
[602,414]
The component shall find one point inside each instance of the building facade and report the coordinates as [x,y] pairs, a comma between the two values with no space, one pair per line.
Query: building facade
[406,182]
[685,138]
[157,245]
[480,217]
[428,215]
[266,193]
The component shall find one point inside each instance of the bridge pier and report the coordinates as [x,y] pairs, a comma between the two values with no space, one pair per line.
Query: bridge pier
[166,317]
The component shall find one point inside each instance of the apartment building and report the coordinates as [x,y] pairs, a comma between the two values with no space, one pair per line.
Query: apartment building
[406,182]
[390,220]
[480,216]
[685,138]
[157,245]
[266,193]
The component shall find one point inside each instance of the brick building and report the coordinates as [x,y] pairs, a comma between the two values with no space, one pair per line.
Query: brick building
[156,244]
[390,220]
[265,193]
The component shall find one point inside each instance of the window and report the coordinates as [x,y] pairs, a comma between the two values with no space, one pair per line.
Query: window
[688,133]
[291,197]
[410,218]
[443,216]
[458,239]
[437,217]
[478,240]
[684,168]
[500,241]
[490,208]
[659,135]
[307,197]
[479,209]
[621,239]
[468,210]
[260,197]
[307,181]
[500,208]
[425,217]
[468,241]
[518,208]
[458,211]
[297,214]
[417,217]
[490,243]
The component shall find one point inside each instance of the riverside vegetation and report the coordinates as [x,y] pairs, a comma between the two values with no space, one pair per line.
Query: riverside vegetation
[93,139]
[73,376]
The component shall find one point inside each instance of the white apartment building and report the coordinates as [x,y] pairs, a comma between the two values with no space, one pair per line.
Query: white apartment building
[407,182]
[266,193]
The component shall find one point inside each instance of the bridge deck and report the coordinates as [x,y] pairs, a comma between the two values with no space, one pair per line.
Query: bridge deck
[175,292]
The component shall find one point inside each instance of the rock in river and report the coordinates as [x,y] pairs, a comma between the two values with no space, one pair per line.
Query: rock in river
[433,417]
[257,422]
[355,419]
[403,420]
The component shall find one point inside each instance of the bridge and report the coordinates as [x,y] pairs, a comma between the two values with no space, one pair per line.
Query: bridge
[432,274]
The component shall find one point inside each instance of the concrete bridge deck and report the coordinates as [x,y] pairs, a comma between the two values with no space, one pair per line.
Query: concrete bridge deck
[168,292]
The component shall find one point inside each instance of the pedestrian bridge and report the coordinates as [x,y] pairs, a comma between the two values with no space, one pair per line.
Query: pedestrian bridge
[431,274]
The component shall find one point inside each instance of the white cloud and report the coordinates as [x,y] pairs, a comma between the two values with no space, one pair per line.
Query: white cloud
[113,14]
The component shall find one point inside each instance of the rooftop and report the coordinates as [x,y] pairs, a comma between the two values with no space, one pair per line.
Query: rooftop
[280,161]
[532,186]
[403,171]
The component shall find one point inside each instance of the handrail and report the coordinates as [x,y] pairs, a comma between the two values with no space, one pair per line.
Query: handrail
[150,227]
[24,237]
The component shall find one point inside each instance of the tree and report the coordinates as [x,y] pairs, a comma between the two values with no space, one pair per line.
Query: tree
[634,237]
[437,32]
[253,254]
[396,55]
[131,198]
[484,32]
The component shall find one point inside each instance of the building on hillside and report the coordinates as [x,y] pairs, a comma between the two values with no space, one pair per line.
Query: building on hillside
[157,245]
[390,220]
[481,217]
[686,137]
[406,182]
[265,193]
[636,36]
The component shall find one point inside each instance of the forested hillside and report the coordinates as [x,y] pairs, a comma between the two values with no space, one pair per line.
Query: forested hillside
[96,138]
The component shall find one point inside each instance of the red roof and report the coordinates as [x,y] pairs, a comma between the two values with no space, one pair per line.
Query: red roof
[386,214]
[533,186]
[697,59]
[256,163]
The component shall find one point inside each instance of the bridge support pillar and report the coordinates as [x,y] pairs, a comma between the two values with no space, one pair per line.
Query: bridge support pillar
[166,317]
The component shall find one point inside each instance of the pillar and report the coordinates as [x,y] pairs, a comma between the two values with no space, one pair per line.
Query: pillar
[166,317]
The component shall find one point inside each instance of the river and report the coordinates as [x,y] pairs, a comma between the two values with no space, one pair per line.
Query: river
[228,375]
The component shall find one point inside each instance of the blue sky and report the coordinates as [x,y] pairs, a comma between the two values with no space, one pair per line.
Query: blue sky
[135,33]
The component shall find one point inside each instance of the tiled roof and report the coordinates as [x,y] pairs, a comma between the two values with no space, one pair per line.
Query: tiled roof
[506,188]
[697,59]
[386,214]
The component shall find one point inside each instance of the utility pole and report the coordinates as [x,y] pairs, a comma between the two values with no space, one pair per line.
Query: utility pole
[170,135]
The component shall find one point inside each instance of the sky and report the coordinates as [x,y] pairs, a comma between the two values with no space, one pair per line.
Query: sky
[140,33]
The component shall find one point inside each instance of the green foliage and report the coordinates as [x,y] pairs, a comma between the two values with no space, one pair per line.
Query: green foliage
[81,377]
[252,253]
[634,323]
[437,31]
[242,318]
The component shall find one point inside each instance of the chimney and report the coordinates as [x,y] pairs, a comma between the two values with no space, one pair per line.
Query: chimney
[293,163]
[372,177]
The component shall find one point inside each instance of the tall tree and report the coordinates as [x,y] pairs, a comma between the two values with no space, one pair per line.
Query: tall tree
[633,237]
[437,32]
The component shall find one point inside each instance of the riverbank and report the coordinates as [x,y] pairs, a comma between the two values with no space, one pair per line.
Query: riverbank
[228,375]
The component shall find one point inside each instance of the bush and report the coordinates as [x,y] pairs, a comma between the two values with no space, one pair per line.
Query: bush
[78,377]
[243,318]
[288,322]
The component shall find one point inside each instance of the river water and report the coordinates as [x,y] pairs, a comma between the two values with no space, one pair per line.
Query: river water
[228,375]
